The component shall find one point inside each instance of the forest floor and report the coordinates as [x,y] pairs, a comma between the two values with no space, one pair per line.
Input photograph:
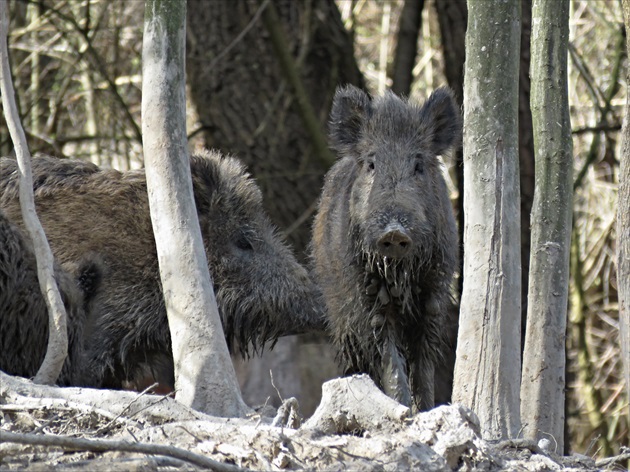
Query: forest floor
[356,427]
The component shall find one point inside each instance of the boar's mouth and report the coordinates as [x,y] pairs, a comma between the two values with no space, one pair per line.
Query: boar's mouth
[390,282]
[246,327]
[253,323]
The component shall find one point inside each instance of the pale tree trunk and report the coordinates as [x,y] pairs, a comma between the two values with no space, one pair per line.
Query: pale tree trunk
[409,26]
[57,332]
[204,375]
[623,224]
[487,370]
[543,379]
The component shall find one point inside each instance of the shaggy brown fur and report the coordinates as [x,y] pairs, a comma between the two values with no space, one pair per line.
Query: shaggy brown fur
[384,239]
[261,290]
[23,311]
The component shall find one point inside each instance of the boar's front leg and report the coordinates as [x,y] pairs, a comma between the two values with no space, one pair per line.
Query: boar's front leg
[423,375]
[394,379]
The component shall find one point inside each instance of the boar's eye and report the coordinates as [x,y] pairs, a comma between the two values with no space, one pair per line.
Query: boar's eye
[419,168]
[243,243]
[368,162]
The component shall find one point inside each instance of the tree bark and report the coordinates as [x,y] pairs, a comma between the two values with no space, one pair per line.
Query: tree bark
[487,370]
[204,375]
[543,379]
[57,332]
[526,155]
[247,107]
[452,17]
[623,224]
[409,26]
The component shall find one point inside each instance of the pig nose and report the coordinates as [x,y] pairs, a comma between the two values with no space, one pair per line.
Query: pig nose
[395,243]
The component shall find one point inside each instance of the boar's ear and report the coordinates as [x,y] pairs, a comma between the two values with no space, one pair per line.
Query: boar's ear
[349,109]
[205,173]
[440,112]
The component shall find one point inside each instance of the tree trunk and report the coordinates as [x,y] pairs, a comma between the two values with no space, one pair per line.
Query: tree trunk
[409,26]
[57,331]
[623,224]
[487,370]
[452,17]
[204,375]
[247,107]
[526,155]
[543,380]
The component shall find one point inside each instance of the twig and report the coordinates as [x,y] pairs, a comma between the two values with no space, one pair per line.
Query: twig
[604,127]
[107,427]
[624,456]
[306,214]
[520,443]
[240,36]
[29,404]
[104,445]
[292,76]
[98,63]
[607,96]
[274,385]
[57,332]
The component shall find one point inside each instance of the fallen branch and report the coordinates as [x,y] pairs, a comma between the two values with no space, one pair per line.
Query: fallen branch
[105,445]
[152,408]
[608,461]
[54,404]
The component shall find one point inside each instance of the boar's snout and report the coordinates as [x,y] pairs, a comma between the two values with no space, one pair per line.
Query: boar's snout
[394,242]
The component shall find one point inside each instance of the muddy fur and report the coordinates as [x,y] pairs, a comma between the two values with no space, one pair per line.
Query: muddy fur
[23,312]
[388,175]
[262,292]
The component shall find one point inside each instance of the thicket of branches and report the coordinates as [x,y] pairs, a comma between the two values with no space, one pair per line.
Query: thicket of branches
[76,67]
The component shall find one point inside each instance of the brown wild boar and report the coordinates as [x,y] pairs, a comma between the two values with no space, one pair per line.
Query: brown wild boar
[23,311]
[384,245]
[261,290]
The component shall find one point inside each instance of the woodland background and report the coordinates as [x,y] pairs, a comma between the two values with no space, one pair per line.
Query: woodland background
[77,72]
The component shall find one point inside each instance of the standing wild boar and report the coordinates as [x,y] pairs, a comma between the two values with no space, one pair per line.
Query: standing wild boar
[261,290]
[23,311]
[384,239]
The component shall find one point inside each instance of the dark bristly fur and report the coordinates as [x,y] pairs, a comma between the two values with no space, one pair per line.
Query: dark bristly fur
[23,311]
[261,290]
[387,313]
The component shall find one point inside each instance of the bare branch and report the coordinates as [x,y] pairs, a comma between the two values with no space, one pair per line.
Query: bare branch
[291,73]
[103,445]
[100,67]
[57,331]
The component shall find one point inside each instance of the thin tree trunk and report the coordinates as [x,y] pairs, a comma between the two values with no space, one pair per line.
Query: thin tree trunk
[384,48]
[543,380]
[526,154]
[452,18]
[623,224]
[487,370]
[204,375]
[57,332]
[409,26]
